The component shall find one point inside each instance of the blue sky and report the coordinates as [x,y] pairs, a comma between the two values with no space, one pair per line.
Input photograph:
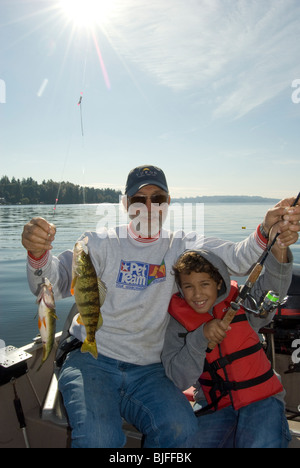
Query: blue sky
[202,88]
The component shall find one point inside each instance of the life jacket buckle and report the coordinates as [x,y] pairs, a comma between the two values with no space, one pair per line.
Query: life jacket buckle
[220,363]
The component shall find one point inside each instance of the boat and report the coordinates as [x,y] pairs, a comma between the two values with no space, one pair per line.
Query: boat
[32,414]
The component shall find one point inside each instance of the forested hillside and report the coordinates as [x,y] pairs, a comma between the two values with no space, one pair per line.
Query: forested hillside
[29,192]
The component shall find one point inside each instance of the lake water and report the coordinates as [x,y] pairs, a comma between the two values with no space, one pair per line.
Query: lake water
[18,323]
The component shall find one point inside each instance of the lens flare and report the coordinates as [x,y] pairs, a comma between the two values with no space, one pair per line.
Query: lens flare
[87,13]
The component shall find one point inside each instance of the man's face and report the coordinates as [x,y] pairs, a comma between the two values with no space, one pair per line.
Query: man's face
[148,209]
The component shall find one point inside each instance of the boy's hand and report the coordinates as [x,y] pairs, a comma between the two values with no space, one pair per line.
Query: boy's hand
[215,331]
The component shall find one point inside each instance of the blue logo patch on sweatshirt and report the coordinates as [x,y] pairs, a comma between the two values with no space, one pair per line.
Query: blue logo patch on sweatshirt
[139,275]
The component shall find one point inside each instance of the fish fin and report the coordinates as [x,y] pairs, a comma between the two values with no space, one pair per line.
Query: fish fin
[43,361]
[73,286]
[100,322]
[90,347]
[53,314]
[102,291]
[79,320]
[39,323]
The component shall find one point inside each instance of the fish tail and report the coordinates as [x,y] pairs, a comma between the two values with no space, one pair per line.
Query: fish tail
[44,359]
[39,368]
[90,347]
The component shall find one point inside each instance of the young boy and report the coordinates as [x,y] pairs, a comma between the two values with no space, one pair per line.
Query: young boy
[242,397]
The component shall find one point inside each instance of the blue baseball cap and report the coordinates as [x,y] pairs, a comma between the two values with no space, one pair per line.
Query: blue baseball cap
[145,175]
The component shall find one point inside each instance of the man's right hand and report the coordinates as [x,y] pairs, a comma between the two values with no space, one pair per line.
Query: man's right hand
[37,236]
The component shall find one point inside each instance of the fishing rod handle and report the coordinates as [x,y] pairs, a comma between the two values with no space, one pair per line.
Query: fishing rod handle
[235,306]
[254,275]
[251,280]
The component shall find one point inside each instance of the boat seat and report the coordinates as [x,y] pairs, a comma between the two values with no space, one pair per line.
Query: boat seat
[53,410]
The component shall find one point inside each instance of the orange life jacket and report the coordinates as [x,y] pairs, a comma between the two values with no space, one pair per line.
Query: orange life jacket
[237,372]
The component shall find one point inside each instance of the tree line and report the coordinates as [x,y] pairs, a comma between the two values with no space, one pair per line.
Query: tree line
[29,192]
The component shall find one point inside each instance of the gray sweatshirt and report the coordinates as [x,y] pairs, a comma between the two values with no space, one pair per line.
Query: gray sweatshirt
[139,285]
[184,353]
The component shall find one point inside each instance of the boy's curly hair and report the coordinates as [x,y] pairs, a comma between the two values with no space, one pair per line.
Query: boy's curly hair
[193,262]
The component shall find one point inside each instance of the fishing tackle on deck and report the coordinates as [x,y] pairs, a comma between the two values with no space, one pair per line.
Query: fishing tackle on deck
[20,413]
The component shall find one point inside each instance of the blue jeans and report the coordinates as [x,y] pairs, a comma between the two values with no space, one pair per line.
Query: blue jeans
[259,425]
[98,393]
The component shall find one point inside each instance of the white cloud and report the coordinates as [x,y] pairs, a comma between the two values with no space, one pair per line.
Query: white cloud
[234,54]
[286,161]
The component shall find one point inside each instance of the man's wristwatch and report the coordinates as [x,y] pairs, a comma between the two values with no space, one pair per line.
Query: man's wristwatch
[263,232]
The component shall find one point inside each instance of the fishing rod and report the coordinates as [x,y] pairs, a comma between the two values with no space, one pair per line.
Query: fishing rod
[20,413]
[245,291]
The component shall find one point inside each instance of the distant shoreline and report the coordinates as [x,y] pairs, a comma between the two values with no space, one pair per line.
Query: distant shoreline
[213,199]
[226,199]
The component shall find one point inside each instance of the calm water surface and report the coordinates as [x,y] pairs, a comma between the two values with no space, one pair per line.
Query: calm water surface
[18,323]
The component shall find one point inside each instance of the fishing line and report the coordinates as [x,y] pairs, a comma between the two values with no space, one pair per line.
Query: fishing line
[80,107]
[81,94]
[79,104]
[61,178]
[81,121]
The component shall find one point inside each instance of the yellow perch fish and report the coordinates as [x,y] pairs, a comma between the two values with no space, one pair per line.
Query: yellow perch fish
[47,318]
[89,293]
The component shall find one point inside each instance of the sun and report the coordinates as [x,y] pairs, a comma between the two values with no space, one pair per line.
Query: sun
[87,13]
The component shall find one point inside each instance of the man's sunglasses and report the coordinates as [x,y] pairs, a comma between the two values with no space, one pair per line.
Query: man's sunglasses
[157,199]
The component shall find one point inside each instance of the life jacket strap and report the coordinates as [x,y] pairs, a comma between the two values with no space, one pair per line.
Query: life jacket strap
[230,358]
[224,387]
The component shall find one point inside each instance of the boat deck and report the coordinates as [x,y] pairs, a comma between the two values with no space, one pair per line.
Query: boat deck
[295,431]
[32,388]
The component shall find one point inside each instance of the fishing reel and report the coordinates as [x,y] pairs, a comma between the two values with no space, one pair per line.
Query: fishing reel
[269,303]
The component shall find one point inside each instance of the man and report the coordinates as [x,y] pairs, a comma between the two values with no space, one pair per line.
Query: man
[135,261]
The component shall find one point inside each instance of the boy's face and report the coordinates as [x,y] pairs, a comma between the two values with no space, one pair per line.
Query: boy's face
[200,291]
